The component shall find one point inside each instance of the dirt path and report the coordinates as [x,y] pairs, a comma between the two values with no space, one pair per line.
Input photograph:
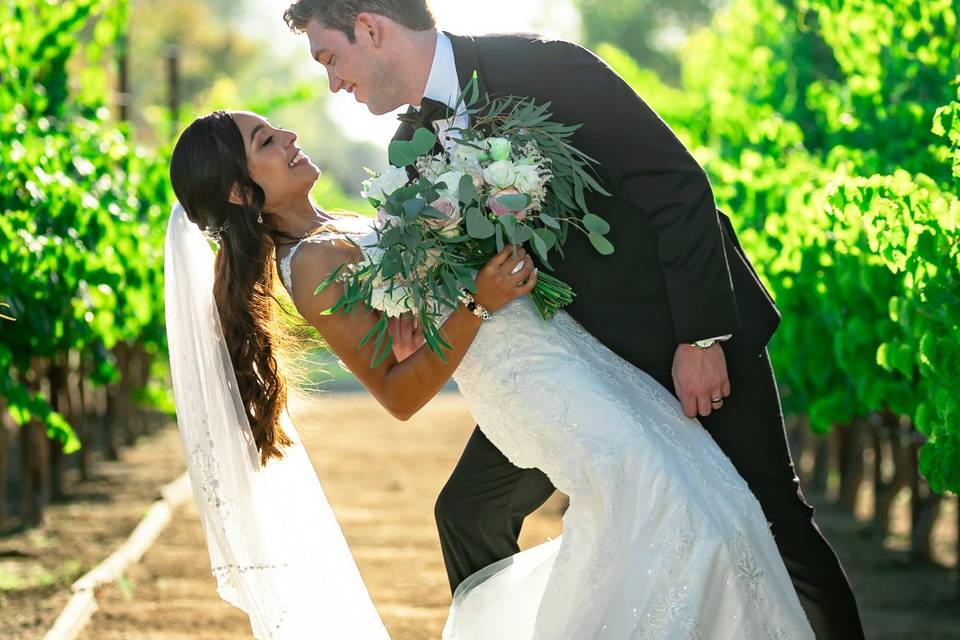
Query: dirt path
[382,477]
[38,565]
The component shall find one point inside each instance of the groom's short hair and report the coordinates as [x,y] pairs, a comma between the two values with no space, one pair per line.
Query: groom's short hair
[342,14]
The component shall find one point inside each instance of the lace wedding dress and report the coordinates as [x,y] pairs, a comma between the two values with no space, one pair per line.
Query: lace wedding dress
[662,538]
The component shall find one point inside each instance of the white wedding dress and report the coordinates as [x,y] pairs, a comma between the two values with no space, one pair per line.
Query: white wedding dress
[662,538]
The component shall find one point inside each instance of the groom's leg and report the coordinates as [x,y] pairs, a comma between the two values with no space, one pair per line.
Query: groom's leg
[481,509]
[749,428]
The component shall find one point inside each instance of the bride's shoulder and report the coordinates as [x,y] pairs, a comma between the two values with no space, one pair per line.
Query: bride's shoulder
[324,248]
[312,262]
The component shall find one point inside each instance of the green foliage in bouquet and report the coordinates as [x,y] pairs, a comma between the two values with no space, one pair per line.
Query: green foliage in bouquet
[513,177]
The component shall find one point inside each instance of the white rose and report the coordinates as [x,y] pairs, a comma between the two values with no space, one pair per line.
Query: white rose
[500,174]
[393,303]
[370,188]
[527,178]
[473,168]
[392,179]
[465,152]
[452,181]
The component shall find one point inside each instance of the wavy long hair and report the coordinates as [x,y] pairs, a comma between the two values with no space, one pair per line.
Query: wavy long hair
[208,160]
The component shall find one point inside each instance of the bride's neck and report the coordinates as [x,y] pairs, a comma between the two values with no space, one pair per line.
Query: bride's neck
[299,220]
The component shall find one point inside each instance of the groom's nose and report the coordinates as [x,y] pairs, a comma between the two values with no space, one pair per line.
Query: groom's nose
[335,83]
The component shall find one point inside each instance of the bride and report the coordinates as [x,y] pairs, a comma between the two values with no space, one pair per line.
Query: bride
[662,538]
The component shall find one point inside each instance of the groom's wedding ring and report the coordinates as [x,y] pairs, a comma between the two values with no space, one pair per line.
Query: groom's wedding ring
[520,265]
[716,400]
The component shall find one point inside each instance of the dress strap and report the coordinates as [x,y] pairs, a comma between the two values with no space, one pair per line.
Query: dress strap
[342,227]
[286,275]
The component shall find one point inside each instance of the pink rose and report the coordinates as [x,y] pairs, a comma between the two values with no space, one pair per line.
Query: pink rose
[450,208]
[499,209]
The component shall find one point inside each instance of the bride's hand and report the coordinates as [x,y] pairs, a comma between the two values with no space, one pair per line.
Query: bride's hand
[406,334]
[507,276]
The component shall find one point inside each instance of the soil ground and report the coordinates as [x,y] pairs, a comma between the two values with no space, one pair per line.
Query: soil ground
[381,477]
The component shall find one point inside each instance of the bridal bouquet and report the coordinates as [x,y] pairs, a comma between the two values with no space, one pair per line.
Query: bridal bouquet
[512,177]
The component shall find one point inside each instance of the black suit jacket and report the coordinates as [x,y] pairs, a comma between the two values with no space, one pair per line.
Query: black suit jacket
[678,273]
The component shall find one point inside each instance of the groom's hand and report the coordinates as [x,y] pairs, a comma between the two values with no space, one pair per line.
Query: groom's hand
[406,334]
[700,376]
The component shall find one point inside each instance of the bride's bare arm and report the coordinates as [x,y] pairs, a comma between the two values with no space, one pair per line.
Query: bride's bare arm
[403,388]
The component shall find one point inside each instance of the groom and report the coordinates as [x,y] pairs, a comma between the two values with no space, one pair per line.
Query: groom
[678,298]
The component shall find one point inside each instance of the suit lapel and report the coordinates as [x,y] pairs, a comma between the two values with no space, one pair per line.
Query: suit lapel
[467,60]
[466,54]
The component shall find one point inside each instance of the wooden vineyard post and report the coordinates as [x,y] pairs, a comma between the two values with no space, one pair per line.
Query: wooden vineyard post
[924,504]
[4,463]
[57,375]
[851,438]
[79,417]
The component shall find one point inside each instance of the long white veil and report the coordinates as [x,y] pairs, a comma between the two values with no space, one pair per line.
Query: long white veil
[275,546]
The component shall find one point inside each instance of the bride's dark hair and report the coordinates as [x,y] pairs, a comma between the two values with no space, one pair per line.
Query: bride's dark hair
[208,160]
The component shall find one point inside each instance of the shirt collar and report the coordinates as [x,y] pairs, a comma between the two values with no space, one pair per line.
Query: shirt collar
[443,85]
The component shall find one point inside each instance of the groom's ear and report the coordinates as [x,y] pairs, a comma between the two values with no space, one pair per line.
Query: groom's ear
[370,27]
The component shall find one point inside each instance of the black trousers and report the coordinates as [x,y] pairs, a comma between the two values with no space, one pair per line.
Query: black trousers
[482,507]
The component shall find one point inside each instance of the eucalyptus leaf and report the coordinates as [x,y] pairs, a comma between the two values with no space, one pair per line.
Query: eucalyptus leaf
[401,154]
[523,234]
[600,243]
[596,224]
[467,192]
[392,263]
[423,142]
[549,220]
[478,226]
[513,202]
[547,237]
[509,224]
[540,247]
[412,207]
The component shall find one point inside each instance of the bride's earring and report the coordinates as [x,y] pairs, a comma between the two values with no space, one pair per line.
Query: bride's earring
[260,218]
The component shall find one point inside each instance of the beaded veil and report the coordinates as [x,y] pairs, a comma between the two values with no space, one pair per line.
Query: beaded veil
[275,547]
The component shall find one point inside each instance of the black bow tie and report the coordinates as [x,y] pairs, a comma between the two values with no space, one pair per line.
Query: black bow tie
[429,112]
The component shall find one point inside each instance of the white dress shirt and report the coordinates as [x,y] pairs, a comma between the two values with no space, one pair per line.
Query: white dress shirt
[443,85]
